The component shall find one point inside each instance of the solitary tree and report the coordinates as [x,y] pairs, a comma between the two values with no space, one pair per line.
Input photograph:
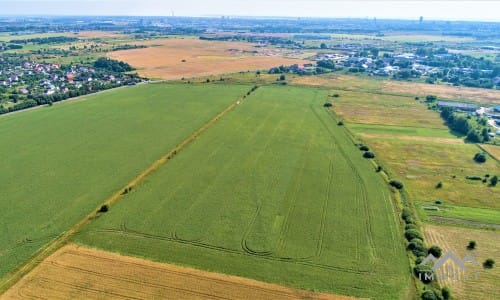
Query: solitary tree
[435,250]
[494,180]
[489,263]
[446,293]
[480,157]
[472,245]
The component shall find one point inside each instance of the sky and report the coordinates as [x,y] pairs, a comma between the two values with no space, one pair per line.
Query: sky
[481,10]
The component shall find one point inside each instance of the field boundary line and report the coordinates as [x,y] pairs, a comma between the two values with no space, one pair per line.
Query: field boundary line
[14,276]
[488,152]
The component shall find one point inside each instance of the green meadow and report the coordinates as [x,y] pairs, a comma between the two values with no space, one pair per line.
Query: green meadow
[482,215]
[274,191]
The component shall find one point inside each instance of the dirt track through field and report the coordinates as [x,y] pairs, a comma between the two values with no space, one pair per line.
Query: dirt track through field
[82,273]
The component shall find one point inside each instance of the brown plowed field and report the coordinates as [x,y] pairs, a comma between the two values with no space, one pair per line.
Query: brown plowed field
[75,272]
[176,58]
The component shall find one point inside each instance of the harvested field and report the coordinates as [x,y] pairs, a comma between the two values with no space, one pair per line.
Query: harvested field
[383,86]
[348,82]
[455,239]
[413,138]
[176,58]
[483,96]
[492,150]
[76,272]
[98,34]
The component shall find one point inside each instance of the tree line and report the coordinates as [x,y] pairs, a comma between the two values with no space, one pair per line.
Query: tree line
[476,133]
[46,40]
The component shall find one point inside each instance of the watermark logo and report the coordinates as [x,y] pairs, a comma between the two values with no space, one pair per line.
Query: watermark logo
[450,267]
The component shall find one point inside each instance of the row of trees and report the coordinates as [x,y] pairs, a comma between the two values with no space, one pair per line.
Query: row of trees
[46,40]
[476,133]
[112,65]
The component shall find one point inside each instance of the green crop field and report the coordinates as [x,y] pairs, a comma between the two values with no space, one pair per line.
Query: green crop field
[274,191]
[481,215]
[60,162]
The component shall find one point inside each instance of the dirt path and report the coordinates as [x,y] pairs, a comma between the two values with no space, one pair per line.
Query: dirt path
[75,272]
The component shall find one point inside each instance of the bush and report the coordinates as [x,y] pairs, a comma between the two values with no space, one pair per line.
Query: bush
[419,252]
[472,245]
[409,221]
[424,273]
[282,77]
[340,123]
[473,178]
[405,213]
[411,234]
[397,184]
[364,148]
[430,98]
[489,263]
[419,260]
[104,208]
[411,226]
[415,243]
[439,185]
[379,168]
[494,180]
[435,250]
[431,295]
[336,95]
[438,202]
[327,104]
[446,293]
[480,157]
[417,247]
[368,154]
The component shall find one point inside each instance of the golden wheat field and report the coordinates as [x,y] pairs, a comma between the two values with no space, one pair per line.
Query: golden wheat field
[175,58]
[75,272]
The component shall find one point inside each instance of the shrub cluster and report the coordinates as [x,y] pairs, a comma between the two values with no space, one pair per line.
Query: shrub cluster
[489,263]
[368,154]
[397,184]
[480,157]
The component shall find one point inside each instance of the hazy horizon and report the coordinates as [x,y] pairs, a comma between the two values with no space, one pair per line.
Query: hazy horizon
[412,10]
